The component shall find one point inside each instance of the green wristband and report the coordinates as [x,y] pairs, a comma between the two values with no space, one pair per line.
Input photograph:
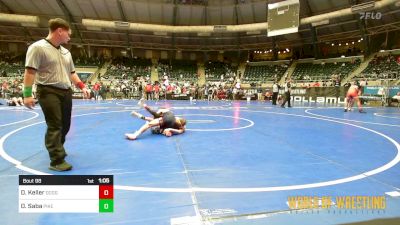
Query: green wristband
[27,91]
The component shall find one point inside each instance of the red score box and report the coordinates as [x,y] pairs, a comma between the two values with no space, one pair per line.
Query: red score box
[106,192]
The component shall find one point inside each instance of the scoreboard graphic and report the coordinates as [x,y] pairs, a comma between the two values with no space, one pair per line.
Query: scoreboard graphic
[66,193]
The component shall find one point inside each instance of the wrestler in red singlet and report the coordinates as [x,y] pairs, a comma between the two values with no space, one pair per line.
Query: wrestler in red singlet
[351,96]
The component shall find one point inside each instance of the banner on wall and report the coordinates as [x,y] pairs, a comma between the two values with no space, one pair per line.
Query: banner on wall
[380,90]
[331,95]
[335,95]
[84,75]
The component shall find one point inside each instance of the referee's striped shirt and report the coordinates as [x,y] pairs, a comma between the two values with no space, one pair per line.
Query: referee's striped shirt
[53,65]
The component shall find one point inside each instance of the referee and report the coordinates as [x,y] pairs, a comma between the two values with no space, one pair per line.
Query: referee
[288,89]
[50,66]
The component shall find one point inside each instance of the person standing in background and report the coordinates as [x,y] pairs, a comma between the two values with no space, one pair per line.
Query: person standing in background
[287,94]
[260,96]
[275,92]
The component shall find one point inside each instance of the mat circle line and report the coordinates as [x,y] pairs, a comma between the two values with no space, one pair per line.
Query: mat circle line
[20,121]
[363,175]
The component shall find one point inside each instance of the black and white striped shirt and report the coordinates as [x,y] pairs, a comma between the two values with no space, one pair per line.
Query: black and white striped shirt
[53,65]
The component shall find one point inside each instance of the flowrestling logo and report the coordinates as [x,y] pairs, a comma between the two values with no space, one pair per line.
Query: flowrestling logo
[370,15]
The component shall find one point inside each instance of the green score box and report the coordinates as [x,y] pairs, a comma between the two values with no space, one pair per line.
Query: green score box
[106,205]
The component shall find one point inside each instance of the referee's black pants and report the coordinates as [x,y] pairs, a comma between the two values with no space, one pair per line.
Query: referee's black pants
[56,105]
[274,97]
[287,99]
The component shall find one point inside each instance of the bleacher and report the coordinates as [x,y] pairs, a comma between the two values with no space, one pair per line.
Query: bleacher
[11,70]
[178,70]
[381,67]
[11,66]
[263,73]
[130,68]
[214,71]
[323,71]
[89,61]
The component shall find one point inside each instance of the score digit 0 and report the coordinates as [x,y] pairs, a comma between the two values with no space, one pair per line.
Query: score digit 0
[106,192]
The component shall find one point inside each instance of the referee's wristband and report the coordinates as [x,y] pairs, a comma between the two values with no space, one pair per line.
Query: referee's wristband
[80,85]
[27,91]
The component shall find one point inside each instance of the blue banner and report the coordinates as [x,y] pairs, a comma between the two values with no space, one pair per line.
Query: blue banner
[378,90]
[393,91]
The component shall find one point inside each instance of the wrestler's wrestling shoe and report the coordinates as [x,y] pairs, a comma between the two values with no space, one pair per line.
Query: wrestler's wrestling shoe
[130,136]
[136,114]
[141,102]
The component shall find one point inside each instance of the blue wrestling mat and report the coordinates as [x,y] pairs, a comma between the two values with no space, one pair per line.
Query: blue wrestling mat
[237,163]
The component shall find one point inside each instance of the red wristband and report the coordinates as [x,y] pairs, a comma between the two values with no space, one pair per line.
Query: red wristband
[80,85]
